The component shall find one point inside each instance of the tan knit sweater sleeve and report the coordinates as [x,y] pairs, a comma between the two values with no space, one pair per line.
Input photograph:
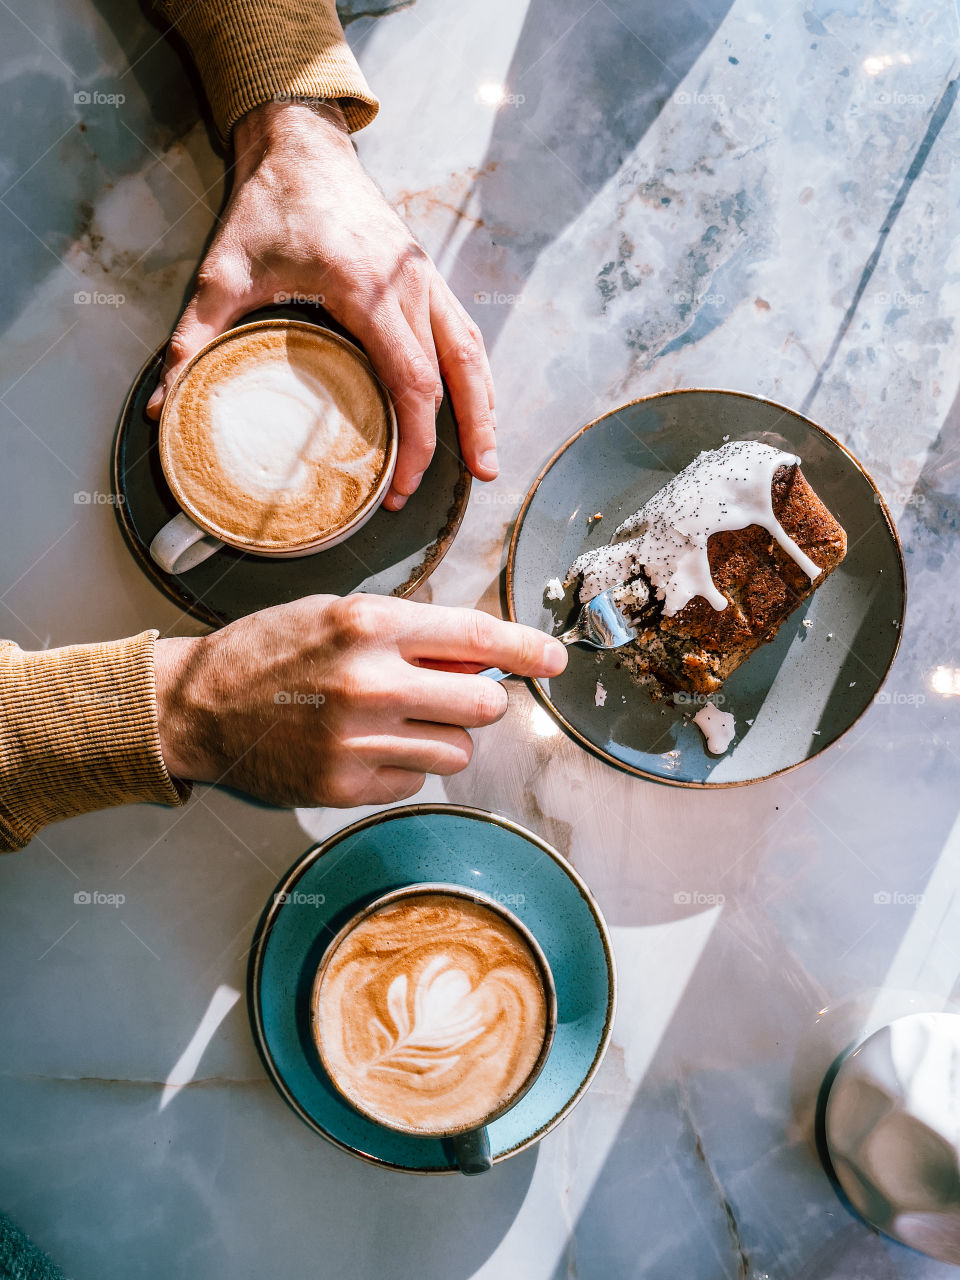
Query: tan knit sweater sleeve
[254,51]
[78,731]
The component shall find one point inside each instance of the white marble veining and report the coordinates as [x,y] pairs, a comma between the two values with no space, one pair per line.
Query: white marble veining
[628,197]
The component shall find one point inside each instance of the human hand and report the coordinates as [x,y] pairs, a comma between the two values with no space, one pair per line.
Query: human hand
[304,219]
[323,702]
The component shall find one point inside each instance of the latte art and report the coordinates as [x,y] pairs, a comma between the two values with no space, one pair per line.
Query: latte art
[275,437]
[431,1013]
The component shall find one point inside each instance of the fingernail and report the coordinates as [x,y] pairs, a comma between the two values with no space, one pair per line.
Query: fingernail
[554,658]
[488,461]
[397,500]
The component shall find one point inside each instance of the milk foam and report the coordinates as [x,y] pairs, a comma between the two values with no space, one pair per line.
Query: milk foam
[431,1013]
[722,489]
[271,425]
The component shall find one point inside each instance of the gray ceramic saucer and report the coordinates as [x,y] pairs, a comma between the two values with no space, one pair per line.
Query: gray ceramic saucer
[791,698]
[392,554]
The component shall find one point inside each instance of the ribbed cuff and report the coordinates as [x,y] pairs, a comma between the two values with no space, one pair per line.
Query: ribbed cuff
[253,51]
[78,731]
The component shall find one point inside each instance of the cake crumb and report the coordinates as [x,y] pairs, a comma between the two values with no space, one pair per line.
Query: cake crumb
[807,622]
[554,589]
[601,695]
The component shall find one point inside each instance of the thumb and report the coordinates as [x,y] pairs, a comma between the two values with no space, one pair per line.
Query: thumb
[209,313]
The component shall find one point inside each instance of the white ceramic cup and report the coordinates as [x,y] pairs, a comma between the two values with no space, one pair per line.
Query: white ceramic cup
[184,542]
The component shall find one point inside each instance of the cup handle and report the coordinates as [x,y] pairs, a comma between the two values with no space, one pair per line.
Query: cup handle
[472,1151]
[181,545]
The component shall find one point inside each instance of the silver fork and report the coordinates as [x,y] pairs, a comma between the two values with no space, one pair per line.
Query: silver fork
[602,624]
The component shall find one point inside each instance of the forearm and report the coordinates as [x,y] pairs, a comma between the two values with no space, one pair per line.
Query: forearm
[78,732]
[249,52]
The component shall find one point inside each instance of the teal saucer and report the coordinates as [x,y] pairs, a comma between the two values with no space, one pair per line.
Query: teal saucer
[408,845]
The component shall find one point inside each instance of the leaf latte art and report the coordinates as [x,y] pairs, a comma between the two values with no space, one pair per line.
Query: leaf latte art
[431,1013]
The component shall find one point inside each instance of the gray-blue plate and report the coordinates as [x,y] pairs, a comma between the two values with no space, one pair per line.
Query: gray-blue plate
[791,698]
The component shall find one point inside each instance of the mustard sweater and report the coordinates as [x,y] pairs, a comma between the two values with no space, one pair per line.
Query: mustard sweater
[78,725]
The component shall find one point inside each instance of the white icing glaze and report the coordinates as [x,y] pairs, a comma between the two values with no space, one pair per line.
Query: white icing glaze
[554,589]
[717,727]
[721,489]
[632,597]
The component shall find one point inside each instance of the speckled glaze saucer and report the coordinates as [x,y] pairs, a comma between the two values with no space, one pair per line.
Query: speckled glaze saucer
[409,845]
[392,554]
[791,698]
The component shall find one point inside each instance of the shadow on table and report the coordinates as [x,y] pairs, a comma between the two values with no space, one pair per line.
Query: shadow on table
[589,81]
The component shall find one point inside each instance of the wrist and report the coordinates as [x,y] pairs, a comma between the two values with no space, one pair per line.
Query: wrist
[284,125]
[184,716]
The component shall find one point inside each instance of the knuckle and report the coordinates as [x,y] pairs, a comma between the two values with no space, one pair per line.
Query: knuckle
[357,619]
[483,420]
[420,378]
[180,347]
[465,354]
[412,269]
[222,272]
[479,628]
[473,329]
[528,648]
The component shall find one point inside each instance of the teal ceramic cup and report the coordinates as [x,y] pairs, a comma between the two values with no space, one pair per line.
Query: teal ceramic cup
[469,1144]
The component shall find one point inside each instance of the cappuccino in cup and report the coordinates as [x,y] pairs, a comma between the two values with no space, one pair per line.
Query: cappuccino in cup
[277,439]
[433,1011]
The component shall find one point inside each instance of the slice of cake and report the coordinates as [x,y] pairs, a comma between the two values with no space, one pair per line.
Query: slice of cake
[722,555]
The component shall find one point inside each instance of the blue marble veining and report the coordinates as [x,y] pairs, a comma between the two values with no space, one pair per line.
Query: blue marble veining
[628,197]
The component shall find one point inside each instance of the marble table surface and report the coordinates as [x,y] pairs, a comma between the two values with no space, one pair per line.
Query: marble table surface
[753,194]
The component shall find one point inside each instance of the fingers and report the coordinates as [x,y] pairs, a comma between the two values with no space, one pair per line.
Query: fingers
[414,385]
[417,747]
[211,310]
[454,698]
[463,363]
[391,784]
[469,635]
[474,329]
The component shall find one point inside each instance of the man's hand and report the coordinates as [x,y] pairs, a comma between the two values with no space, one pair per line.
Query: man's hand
[305,219]
[324,702]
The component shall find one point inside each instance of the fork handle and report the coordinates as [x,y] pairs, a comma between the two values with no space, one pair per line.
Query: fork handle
[495,673]
[573,636]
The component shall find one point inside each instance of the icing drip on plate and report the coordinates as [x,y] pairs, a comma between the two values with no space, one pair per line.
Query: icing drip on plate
[721,489]
[717,727]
